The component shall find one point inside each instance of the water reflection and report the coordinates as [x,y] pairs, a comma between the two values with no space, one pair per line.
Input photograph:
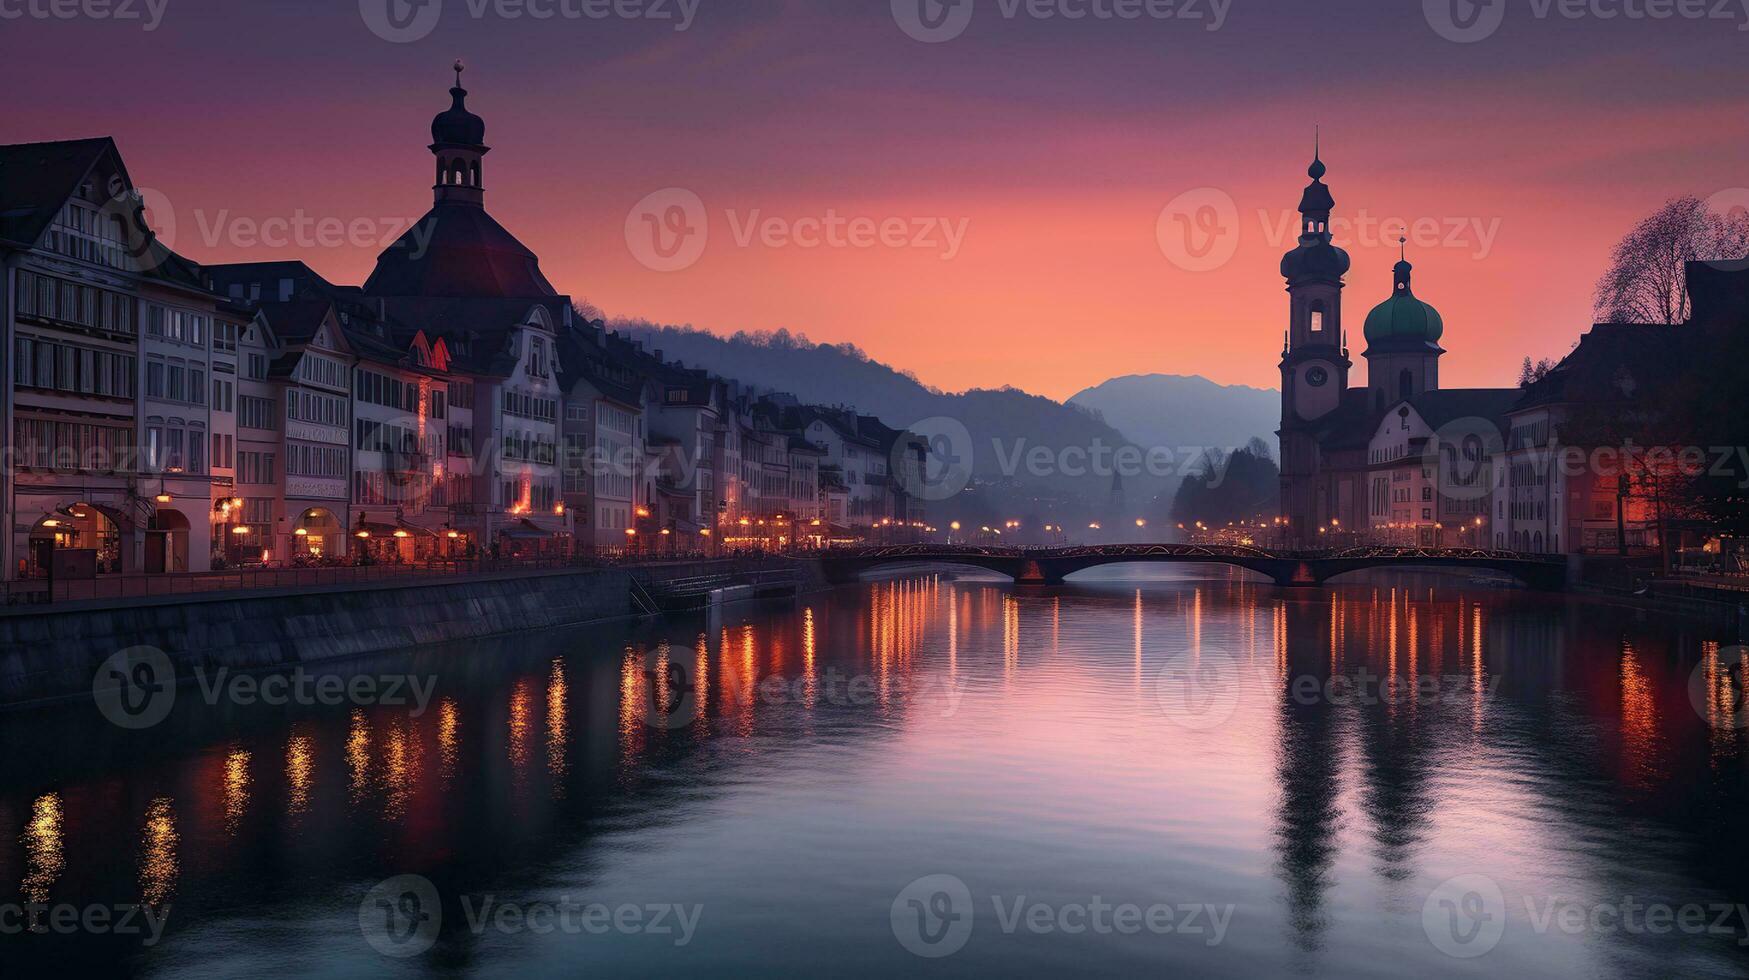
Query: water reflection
[557,730]
[44,860]
[236,791]
[300,768]
[799,764]
[158,863]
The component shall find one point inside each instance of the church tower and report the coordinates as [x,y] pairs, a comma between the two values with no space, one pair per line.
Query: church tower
[458,140]
[1314,357]
[1402,344]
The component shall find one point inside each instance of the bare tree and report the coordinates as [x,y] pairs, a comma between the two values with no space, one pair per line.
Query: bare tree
[1646,279]
[586,311]
[1532,372]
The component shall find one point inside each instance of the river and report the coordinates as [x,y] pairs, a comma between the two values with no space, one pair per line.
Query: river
[924,775]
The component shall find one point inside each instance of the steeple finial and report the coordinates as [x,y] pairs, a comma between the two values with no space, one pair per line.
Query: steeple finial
[1317,170]
[1400,273]
[459,68]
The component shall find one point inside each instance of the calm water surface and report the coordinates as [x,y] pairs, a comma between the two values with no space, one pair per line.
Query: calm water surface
[1248,781]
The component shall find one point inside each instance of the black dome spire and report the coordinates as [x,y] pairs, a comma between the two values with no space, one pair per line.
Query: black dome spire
[456,125]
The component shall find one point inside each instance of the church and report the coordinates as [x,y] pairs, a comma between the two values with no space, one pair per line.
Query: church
[1354,459]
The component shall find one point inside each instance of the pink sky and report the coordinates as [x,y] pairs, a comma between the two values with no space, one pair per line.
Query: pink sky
[1055,147]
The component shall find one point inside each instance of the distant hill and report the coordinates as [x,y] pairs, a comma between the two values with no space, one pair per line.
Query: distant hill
[1158,410]
[1178,410]
[842,375]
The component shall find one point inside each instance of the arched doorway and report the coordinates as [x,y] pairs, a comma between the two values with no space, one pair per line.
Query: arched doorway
[167,542]
[74,527]
[318,533]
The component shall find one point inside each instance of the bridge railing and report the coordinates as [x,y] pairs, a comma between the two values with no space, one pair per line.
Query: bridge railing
[1182,551]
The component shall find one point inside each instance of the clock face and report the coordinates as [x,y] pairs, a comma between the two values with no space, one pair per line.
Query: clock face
[1317,377]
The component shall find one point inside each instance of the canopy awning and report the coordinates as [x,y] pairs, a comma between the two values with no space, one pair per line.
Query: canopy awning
[526,530]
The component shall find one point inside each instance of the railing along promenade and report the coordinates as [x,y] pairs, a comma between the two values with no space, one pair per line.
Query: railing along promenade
[37,592]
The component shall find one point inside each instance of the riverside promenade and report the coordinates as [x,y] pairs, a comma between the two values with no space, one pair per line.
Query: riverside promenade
[273,619]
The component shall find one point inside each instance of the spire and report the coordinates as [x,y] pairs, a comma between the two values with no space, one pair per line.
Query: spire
[458,140]
[1400,272]
[1317,170]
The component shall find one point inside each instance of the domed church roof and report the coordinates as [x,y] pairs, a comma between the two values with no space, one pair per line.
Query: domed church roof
[457,250]
[1403,319]
[1315,258]
[456,125]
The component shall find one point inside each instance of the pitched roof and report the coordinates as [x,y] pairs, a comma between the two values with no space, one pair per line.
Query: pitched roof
[1445,405]
[37,178]
[1613,361]
[296,321]
[458,251]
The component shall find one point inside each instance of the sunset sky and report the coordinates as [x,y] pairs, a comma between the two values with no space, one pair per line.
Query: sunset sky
[1055,144]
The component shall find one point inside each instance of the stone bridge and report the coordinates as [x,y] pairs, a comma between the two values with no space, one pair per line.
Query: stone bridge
[1299,569]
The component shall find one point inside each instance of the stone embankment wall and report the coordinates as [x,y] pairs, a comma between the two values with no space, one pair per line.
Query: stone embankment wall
[54,653]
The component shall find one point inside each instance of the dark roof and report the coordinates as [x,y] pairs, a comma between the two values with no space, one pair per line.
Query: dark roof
[476,331]
[1351,425]
[1612,362]
[458,251]
[37,178]
[266,274]
[583,358]
[1446,405]
[456,125]
[296,321]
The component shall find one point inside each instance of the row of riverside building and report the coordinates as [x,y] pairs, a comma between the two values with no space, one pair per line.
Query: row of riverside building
[1404,461]
[167,416]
